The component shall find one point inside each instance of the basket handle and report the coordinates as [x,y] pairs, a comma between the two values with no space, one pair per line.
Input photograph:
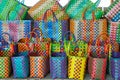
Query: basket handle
[67,46]
[18,18]
[41,35]
[45,15]
[31,36]
[93,15]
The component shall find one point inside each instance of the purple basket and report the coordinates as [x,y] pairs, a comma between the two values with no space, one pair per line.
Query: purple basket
[115,68]
[116,54]
[58,65]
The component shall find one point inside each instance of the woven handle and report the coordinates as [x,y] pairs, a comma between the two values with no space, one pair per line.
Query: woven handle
[18,18]
[41,35]
[45,15]
[93,15]
[67,46]
[31,36]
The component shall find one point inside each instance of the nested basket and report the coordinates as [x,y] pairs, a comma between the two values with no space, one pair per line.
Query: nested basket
[97,64]
[77,62]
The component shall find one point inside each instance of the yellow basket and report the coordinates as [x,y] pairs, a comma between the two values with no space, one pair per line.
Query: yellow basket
[77,59]
[76,67]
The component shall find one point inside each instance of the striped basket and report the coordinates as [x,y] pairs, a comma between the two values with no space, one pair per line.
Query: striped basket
[58,65]
[115,67]
[38,10]
[5,67]
[20,65]
[39,64]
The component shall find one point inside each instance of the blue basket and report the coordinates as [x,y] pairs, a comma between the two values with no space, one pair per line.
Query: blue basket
[20,65]
[58,65]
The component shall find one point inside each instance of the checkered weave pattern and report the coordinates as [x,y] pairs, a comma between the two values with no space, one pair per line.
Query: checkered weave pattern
[115,67]
[97,67]
[116,17]
[88,30]
[7,50]
[17,29]
[76,67]
[77,61]
[114,31]
[20,65]
[12,9]
[75,9]
[38,10]
[52,29]
[58,65]
[39,66]
[113,10]
[5,67]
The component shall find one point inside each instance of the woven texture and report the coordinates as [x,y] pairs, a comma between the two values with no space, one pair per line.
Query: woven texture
[52,29]
[112,13]
[58,65]
[5,67]
[115,67]
[57,47]
[11,9]
[97,60]
[97,67]
[114,30]
[7,50]
[88,30]
[38,10]
[75,9]
[17,29]
[77,62]
[20,66]
[39,66]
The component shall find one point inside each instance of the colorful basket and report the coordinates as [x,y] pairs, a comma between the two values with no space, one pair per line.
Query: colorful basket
[114,30]
[112,13]
[77,60]
[53,28]
[115,67]
[38,10]
[12,9]
[88,30]
[58,65]
[5,67]
[20,64]
[97,61]
[39,65]
[75,9]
